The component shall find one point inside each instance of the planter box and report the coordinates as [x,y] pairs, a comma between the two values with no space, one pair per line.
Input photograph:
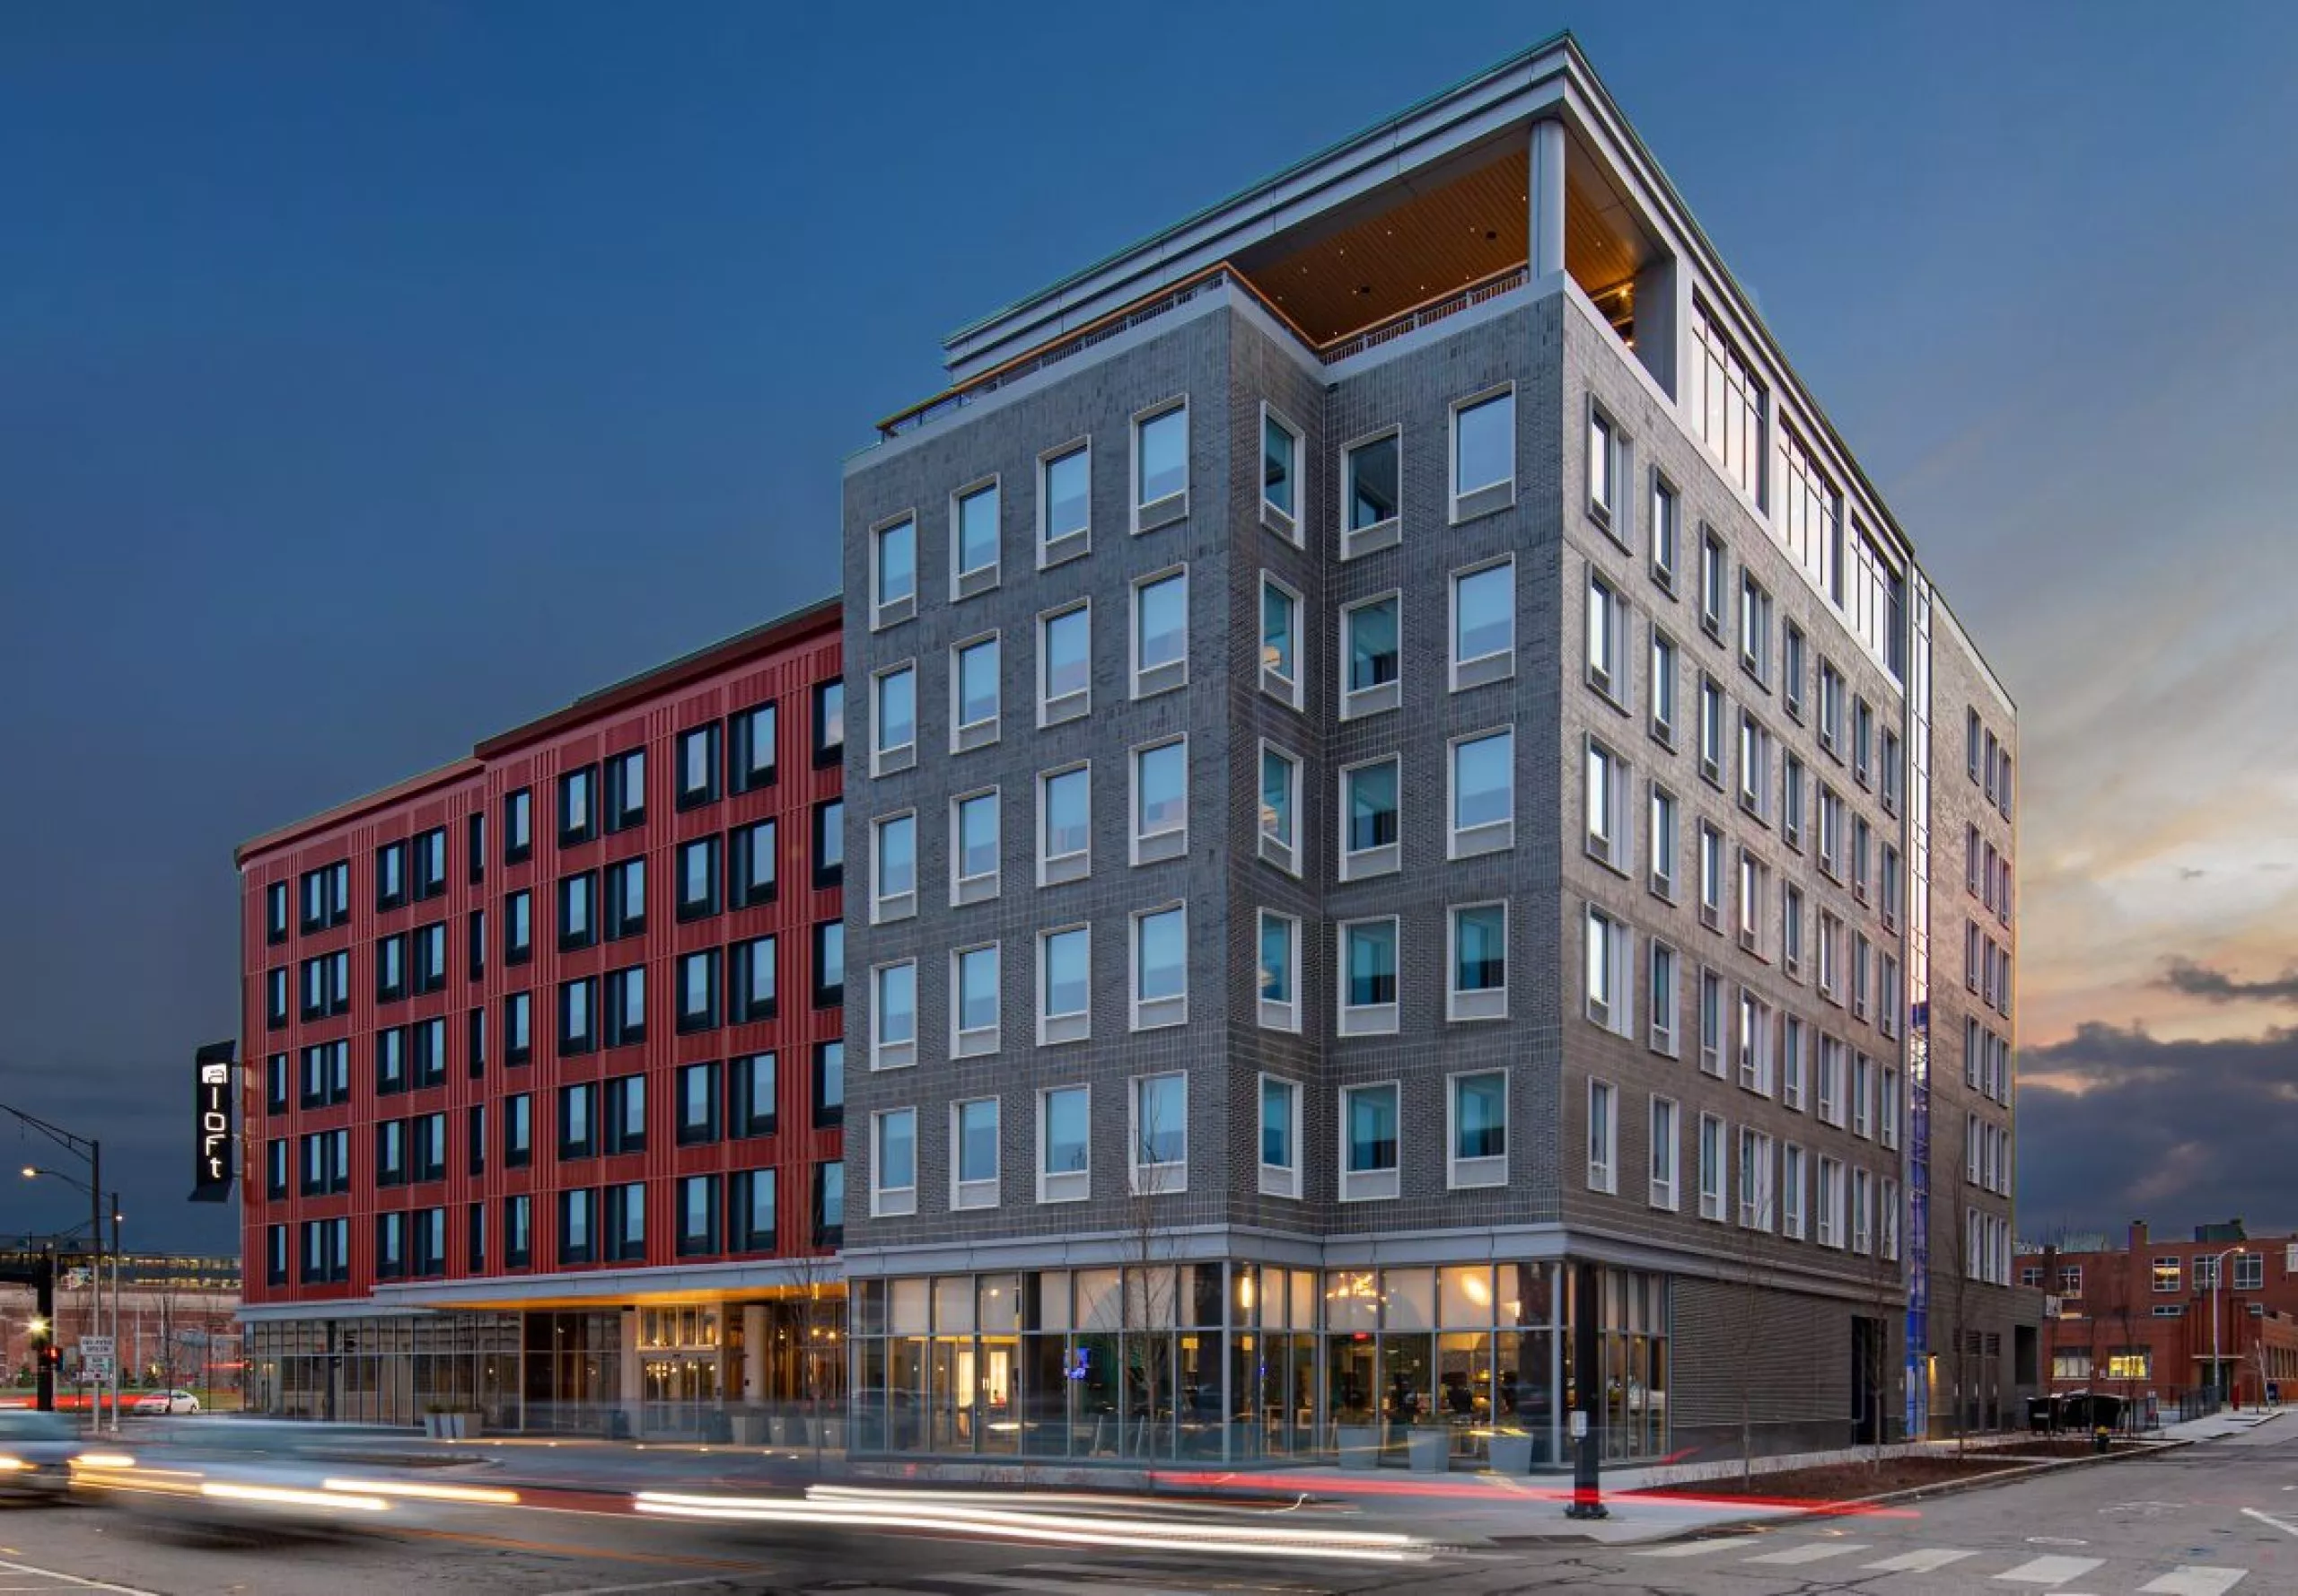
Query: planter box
[451,1426]
[750,1429]
[1429,1450]
[1359,1445]
[1511,1454]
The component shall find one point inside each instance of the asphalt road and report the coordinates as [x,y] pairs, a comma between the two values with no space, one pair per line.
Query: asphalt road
[2217,1520]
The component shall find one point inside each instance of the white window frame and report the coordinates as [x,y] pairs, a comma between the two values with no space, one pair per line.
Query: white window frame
[886,759]
[982,1040]
[1488,837]
[892,1201]
[1603,1161]
[1463,1174]
[1369,1186]
[1155,1180]
[885,612]
[1713,708]
[1665,663]
[1712,1036]
[975,888]
[1381,697]
[1603,467]
[1383,858]
[1286,523]
[1064,1186]
[980,578]
[1616,1010]
[1069,1025]
[1794,1062]
[1666,1174]
[1483,1003]
[1714,1172]
[1757,1200]
[885,1055]
[1666,998]
[965,735]
[1755,626]
[1174,507]
[1285,690]
[1663,843]
[1484,498]
[983,1190]
[1793,1164]
[1282,1180]
[1386,532]
[1711,876]
[1608,846]
[1285,855]
[887,907]
[1156,1014]
[1169,842]
[1370,1018]
[1475,671]
[1756,1019]
[1079,541]
[1715,582]
[1053,869]
[1666,534]
[1078,702]
[1829,1203]
[1273,1014]
[1606,670]
[1172,674]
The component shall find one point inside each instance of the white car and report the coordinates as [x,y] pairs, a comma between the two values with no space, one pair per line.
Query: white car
[167,1402]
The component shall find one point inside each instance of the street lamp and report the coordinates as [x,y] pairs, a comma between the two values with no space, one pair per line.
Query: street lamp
[96,1272]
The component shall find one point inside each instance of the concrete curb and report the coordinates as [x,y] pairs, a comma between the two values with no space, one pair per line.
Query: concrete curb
[1945,1487]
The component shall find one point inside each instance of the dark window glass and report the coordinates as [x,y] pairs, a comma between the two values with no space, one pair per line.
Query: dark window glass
[697,769]
[829,842]
[752,975]
[625,1129]
[391,876]
[518,1131]
[431,862]
[578,1029]
[478,847]
[518,826]
[698,878]
[578,910]
[751,764]
[625,895]
[578,816]
[830,722]
[697,990]
[475,1128]
[518,926]
[697,1216]
[275,1083]
[750,1214]
[477,943]
[518,1028]
[578,1218]
[626,790]
[578,1115]
[830,963]
[627,1006]
[830,1204]
[751,866]
[390,1061]
[429,1041]
[475,1046]
[626,1235]
[431,957]
[390,1152]
[391,968]
[829,1084]
[518,1238]
[752,1087]
[275,912]
[697,1105]
[475,1239]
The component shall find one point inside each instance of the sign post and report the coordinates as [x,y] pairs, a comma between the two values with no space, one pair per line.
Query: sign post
[96,1358]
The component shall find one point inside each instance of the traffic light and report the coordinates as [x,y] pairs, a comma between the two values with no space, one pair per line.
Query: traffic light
[52,1355]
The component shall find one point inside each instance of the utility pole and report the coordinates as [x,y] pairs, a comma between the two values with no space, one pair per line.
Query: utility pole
[2217,1279]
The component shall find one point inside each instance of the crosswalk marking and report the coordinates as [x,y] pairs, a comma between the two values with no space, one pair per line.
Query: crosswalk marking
[2049,1571]
[1700,1548]
[2194,1579]
[1812,1551]
[1926,1561]
[1058,1587]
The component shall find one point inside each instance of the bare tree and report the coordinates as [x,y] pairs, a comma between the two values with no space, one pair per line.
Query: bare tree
[1964,1257]
[820,1346]
[1149,1282]
[2118,1306]
[1753,1278]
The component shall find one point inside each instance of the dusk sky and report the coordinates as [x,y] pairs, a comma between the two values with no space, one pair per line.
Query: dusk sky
[374,379]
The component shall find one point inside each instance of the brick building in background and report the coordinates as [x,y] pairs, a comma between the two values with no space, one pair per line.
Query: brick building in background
[546,1062]
[2165,1318]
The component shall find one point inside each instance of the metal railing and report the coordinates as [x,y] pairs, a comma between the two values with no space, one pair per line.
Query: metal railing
[1219,277]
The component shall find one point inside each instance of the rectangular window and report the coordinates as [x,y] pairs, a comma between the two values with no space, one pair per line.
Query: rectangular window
[1790,1192]
[625,1124]
[1371,819]
[893,719]
[697,991]
[1862,741]
[518,1028]
[1159,1134]
[1065,664]
[1368,1143]
[1665,998]
[1755,897]
[1711,731]
[1754,1181]
[1607,640]
[1065,825]
[1280,1137]
[578,925]
[893,1015]
[975,540]
[753,1095]
[625,1208]
[1756,1018]
[1727,405]
[518,826]
[390,1061]
[1711,877]
[1711,1023]
[1792,1064]
[830,722]
[893,868]
[1280,809]
[1830,709]
[1372,657]
[1483,804]
[578,821]
[1828,1202]
[1160,467]
[1065,505]
[1280,468]
[1368,962]
[974,1001]
[974,844]
[893,1163]
[1159,965]
[973,1153]
[1603,1138]
[1611,969]
[830,1083]
[430,944]
[1065,1144]
[1479,1131]
[1862,1217]
[1792,790]
[751,975]
[698,878]
[1280,641]
[830,963]
[625,1000]
[1278,974]
[518,1240]
[1160,633]
[753,734]
[625,777]
[518,926]
[1755,769]
[697,1200]
[1478,957]
[626,898]
[1371,480]
[430,863]
[1604,804]
[391,968]
[1483,454]
[1755,628]
[1665,1155]
[578,1131]
[1161,801]
[1663,845]
[1666,535]
[1603,467]
[1790,670]
[391,876]
[1664,672]
[698,1104]
[1713,582]
[893,572]
[1484,624]
[829,844]
[1831,1082]
[697,764]
[975,697]
[1065,985]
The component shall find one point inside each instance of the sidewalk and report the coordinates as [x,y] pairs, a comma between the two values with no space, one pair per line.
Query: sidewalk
[2218,1427]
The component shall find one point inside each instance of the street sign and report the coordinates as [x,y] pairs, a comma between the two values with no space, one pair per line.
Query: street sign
[95,1356]
[212,1177]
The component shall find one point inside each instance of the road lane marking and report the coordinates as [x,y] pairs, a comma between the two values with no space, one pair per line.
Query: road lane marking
[1058,1587]
[1700,1548]
[1811,1552]
[2267,1518]
[1926,1561]
[2050,1570]
[660,1584]
[74,1579]
[2194,1579]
